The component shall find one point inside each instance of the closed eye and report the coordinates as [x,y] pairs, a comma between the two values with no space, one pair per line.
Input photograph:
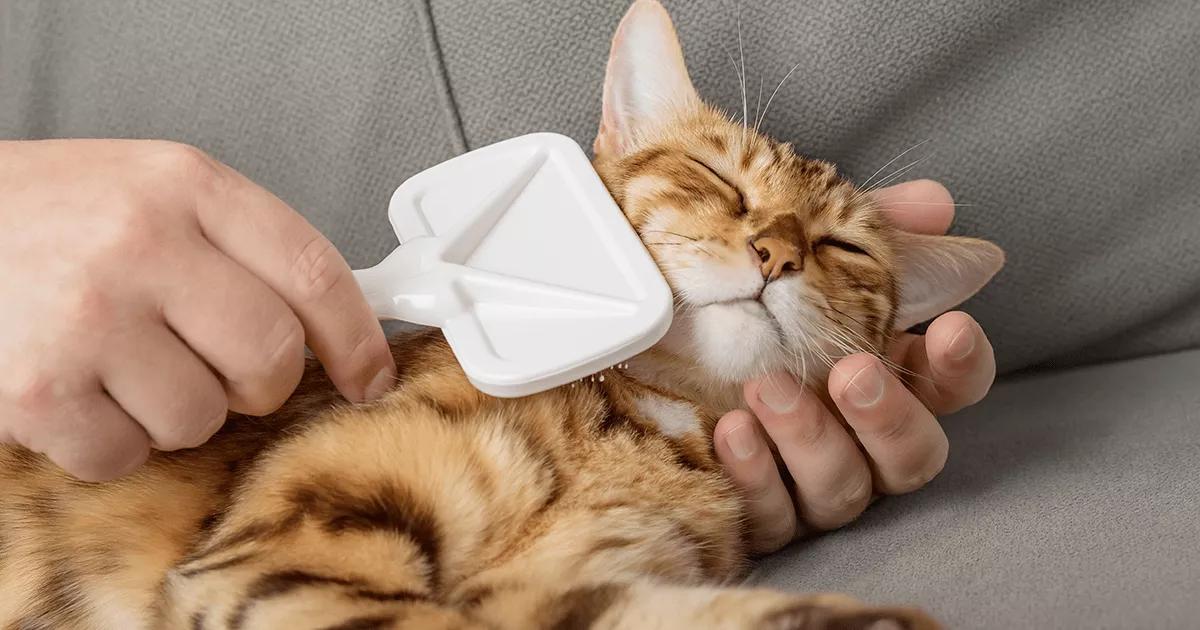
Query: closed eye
[842,245]
[741,203]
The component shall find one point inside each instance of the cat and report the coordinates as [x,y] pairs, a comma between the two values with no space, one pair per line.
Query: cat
[598,505]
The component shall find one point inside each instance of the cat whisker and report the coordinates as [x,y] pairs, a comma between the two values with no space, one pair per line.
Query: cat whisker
[846,330]
[766,109]
[872,329]
[890,178]
[884,359]
[735,69]
[842,342]
[809,347]
[867,182]
[759,103]
[855,345]
[692,245]
[927,203]
[690,238]
[742,54]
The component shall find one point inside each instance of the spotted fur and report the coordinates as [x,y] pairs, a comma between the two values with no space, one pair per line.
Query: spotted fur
[597,505]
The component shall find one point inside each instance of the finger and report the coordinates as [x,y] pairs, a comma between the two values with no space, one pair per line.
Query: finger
[165,388]
[240,327]
[922,206]
[260,232]
[93,440]
[833,482]
[743,450]
[954,363]
[903,440]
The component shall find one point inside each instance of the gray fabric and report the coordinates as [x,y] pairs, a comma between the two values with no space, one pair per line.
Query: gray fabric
[1071,128]
[328,105]
[1069,501]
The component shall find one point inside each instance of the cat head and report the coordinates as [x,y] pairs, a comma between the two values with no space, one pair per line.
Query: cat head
[776,261]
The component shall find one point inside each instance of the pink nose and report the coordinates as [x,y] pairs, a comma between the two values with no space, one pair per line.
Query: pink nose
[777,257]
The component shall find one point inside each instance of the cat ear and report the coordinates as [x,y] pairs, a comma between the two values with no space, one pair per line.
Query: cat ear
[938,273]
[646,81]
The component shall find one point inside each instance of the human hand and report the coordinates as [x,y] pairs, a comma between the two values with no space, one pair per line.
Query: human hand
[902,444]
[148,288]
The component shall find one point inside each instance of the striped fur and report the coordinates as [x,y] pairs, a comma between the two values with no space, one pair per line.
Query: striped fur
[435,507]
[595,505]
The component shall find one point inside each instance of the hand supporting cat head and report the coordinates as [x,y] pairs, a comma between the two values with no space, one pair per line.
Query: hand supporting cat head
[776,261]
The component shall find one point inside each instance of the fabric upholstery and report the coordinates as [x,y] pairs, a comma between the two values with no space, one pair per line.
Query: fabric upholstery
[1069,501]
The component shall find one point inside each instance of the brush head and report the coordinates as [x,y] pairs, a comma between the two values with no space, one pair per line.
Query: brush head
[520,255]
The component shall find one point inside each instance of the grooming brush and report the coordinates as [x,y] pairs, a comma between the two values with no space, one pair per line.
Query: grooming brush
[520,255]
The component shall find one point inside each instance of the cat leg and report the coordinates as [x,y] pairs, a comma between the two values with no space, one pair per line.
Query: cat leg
[362,521]
[652,606]
[346,582]
[301,576]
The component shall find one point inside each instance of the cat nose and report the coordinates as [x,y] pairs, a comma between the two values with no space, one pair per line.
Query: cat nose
[777,256]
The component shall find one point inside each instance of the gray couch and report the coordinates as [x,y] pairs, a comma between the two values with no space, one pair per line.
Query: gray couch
[1072,496]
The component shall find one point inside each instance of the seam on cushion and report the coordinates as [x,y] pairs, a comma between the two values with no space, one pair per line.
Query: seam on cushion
[437,65]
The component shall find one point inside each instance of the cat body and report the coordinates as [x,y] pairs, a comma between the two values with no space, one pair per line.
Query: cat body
[435,498]
[598,504]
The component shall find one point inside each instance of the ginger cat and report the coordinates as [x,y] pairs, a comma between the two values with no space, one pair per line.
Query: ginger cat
[595,506]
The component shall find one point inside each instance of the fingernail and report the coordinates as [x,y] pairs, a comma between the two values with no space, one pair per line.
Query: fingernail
[866,387]
[780,392]
[742,442]
[962,344]
[383,381]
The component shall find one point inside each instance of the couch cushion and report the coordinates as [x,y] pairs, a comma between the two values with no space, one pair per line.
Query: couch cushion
[329,105]
[1069,501]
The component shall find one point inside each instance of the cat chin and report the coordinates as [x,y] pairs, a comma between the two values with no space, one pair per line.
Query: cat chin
[736,341]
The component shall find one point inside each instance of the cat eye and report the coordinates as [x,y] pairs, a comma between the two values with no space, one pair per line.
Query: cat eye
[840,244]
[741,202]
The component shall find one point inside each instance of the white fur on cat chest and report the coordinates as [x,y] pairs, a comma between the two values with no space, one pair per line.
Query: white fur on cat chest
[520,255]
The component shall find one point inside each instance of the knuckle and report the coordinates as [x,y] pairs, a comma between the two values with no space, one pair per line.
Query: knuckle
[196,428]
[367,345]
[183,161]
[805,429]
[919,479]
[849,501]
[132,231]
[96,467]
[317,269]
[760,488]
[811,429]
[950,398]
[202,429]
[89,307]
[894,428]
[36,394]
[976,394]
[774,532]
[264,402]
[270,381]
[284,346]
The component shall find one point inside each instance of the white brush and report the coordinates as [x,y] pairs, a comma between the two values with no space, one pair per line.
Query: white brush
[522,258]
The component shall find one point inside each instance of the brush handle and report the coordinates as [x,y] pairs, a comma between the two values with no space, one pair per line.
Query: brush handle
[411,284]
